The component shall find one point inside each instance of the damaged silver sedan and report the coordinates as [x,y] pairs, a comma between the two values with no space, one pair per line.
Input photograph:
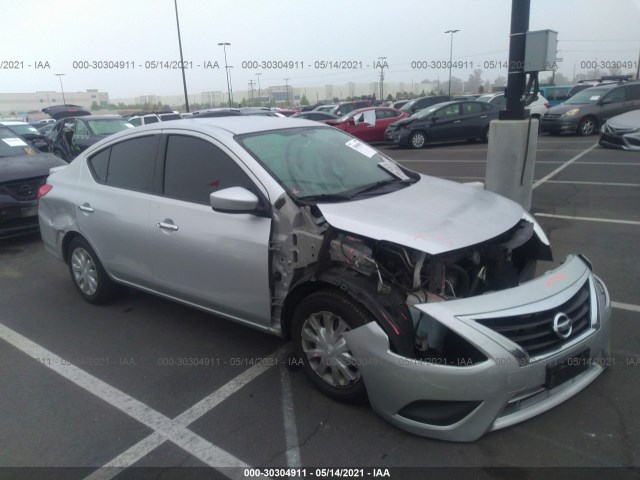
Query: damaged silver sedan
[415,293]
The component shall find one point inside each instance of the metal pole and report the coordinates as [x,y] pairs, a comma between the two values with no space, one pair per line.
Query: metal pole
[60,75]
[226,68]
[259,93]
[286,82]
[517,77]
[230,84]
[382,77]
[451,56]
[184,79]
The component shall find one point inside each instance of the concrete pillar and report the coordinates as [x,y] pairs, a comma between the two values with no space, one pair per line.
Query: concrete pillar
[511,159]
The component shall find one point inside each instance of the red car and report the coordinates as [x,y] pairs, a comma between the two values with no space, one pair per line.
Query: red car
[368,124]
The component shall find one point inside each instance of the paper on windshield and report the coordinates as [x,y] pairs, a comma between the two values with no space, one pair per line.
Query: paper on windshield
[14,142]
[362,148]
[593,98]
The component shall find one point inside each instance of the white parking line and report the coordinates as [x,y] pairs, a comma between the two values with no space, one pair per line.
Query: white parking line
[163,426]
[290,429]
[588,219]
[562,167]
[626,306]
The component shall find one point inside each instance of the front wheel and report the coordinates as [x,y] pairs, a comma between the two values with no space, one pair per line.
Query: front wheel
[417,140]
[485,135]
[87,273]
[318,326]
[587,126]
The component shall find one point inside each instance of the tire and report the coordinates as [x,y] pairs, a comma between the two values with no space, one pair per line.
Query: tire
[318,322]
[587,126]
[485,135]
[87,273]
[417,139]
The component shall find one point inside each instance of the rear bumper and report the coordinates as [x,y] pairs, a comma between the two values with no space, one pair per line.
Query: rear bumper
[461,402]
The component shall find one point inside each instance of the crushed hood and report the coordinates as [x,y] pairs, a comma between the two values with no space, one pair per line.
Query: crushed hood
[432,215]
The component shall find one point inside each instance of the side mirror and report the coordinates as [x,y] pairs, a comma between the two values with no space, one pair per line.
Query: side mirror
[234,200]
[351,121]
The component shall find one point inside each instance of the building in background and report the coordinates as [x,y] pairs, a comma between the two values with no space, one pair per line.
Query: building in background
[23,105]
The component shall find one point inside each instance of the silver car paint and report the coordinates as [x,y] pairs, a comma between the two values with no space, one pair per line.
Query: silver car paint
[626,127]
[508,385]
[433,216]
[244,268]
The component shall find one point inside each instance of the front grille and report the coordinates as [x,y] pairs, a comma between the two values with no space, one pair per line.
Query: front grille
[22,190]
[613,140]
[534,332]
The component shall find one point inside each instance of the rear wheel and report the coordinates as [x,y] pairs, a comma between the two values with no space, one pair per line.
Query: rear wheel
[587,126]
[319,323]
[417,140]
[87,273]
[485,135]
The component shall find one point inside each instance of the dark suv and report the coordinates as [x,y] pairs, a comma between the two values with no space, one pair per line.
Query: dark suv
[347,107]
[587,110]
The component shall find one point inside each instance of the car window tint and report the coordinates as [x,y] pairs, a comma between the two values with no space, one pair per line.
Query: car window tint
[633,92]
[194,168]
[615,95]
[98,165]
[471,107]
[148,120]
[135,121]
[450,111]
[131,163]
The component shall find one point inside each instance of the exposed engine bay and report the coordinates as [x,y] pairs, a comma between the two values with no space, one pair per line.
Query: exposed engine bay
[389,278]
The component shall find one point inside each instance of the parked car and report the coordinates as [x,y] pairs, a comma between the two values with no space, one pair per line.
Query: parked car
[368,124]
[605,80]
[415,292]
[444,122]
[537,108]
[325,108]
[70,136]
[622,131]
[315,115]
[29,133]
[417,104]
[555,94]
[346,107]
[399,103]
[216,112]
[23,170]
[587,110]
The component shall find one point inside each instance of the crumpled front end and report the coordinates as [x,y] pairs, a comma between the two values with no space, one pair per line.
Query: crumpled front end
[493,360]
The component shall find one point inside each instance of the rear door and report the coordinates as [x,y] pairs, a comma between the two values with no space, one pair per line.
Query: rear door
[216,260]
[113,207]
[474,120]
[613,103]
[447,124]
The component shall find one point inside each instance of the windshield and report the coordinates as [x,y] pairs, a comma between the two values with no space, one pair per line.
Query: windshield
[12,145]
[25,129]
[311,162]
[589,95]
[425,112]
[406,108]
[107,127]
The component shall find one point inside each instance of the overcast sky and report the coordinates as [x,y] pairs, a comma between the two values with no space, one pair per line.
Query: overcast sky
[62,32]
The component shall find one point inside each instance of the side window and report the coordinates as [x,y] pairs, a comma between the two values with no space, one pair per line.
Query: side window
[384,114]
[81,128]
[131,163]
[135,121]
[450,111]
[151,119]
[98,164]
[194,168]
[633,92]
[616,95]
[500,101]
[469,108]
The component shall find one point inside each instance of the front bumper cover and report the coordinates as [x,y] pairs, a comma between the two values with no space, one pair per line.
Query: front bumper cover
[507,388]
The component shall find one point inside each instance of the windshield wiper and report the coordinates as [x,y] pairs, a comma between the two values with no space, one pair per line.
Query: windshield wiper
[326,197]
[378,185]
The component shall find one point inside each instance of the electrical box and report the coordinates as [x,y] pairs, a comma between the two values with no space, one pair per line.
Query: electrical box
[540,51]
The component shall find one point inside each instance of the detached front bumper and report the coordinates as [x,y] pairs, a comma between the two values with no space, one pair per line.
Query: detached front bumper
[399,136]
[461,402]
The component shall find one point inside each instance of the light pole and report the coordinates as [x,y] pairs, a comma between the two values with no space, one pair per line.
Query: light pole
[60,75]
[226,67]
[259,93]
[382,77]
[286,81]
[184,78]
[451,56]
[230,83]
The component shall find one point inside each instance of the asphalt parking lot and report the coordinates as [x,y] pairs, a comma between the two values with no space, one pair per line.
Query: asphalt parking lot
[144,382]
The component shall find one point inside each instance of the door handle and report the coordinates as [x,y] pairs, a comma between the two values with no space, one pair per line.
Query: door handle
[167,226]
[483,116]
[85,207]
[457,121]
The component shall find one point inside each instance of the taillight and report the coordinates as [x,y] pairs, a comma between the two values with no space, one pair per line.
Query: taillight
[43,190]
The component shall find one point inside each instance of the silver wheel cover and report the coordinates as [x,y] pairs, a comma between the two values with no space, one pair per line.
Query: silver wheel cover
[326,349]
[84,271]
[418,140]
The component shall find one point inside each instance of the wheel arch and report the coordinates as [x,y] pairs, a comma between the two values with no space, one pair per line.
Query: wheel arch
[388,310]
